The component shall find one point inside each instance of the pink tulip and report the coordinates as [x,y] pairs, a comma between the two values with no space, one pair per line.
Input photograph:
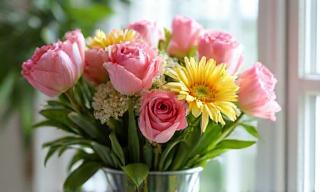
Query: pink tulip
[77,37]
[132,66]
[221,47]
[55,68]
[161,115]
[185,33]
[93,69]
[149,31]
[256,93]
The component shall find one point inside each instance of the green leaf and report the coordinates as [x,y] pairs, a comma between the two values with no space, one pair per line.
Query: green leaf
[208,156]
[49,154]
[58,125]
[55,113]
[166,152]
[252,130]
[62,150]
[116,148]
[136,172]
[87,126]
[80,175]
[209,137]
[133,138]
[180,157]
[104,153]
[68,141]
[81,155]
[115,160]
[78,156]
[163,44]
[57,104]
[234,144]
[169,159]
[190,137]
[148,154]
[59,116]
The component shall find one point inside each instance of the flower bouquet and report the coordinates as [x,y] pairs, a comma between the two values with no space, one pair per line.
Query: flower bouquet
[149,107]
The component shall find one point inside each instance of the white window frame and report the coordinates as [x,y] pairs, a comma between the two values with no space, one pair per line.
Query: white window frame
[301,129]
[281,164]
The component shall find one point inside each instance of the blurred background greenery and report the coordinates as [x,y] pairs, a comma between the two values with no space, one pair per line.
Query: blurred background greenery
[25,25]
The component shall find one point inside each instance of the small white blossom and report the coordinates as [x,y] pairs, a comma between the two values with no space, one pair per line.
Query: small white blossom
[107,103]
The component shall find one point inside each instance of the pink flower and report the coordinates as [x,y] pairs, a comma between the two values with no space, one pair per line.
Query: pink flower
[185,33]
[55,68]
[132,66]
[161,115]
[221,47]
[76,36]
[93,69]
[256,93]
[149,31]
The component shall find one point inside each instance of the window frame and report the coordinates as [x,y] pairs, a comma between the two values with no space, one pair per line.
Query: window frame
[281,164]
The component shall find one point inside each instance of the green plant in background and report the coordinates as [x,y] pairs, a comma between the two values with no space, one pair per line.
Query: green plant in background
[25,25]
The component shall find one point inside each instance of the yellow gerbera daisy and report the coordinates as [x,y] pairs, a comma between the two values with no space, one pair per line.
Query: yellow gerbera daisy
[102,40]
[208,89]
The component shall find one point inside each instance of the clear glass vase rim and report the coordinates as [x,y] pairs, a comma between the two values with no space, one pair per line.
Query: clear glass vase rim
[180,172]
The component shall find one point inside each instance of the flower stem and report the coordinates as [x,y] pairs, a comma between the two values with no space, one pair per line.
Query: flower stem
[70,95]
[157,152]
[133,137]
[229,129]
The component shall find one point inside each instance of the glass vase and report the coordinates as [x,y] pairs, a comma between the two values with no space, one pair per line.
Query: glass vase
[168,181]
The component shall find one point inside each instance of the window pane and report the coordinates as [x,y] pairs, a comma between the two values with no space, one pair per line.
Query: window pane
[317,143]
[318,37]
[309,143]
[311,42]
[311,148]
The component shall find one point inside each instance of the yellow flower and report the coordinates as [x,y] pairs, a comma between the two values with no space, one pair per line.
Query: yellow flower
[102,40]
[207,88]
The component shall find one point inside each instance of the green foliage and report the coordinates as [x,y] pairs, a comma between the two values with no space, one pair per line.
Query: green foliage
[252,130]
[116,148]
[163,44]
[97,145]
[80,175]
[133,138]
[234,144]
[100,146]
[136,172]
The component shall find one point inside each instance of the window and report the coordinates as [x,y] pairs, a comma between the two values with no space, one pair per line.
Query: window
[304,93]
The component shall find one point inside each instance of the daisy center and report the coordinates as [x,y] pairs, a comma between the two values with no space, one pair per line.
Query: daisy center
[203,92]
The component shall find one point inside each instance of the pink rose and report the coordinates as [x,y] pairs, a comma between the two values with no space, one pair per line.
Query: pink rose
[256,93]
[132,66]
[93,69]
[161,115]
[185,33]
[221,47]
[55,68]
[149,31]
